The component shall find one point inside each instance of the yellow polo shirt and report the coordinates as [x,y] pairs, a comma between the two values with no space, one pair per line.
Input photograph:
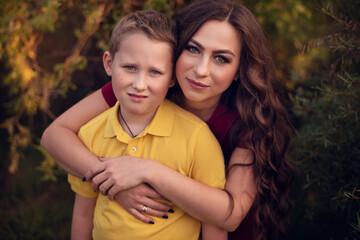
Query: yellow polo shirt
[175,138]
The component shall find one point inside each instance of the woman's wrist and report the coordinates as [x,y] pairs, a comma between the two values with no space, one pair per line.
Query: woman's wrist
[148,168]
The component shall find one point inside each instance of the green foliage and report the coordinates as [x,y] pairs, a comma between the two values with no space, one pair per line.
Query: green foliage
[160,5]
[36,32]
[326,150]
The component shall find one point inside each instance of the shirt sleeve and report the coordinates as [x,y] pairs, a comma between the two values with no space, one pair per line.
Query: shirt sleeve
[108,94]
[208,165]
[77,185]
[82,188]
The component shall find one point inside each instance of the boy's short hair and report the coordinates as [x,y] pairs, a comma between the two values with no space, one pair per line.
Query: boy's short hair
[156,26]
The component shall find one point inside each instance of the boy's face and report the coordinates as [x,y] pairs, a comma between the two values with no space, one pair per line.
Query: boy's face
[141,73]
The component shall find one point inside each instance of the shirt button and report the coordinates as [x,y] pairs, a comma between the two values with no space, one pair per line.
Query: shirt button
[133,149]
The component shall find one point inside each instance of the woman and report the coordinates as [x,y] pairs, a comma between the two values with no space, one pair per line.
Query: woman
[226,75]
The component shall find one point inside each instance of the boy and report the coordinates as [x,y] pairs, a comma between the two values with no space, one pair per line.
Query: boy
[143,124]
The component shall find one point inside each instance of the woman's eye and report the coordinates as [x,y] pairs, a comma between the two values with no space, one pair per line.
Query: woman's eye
[222,59]
[192,49]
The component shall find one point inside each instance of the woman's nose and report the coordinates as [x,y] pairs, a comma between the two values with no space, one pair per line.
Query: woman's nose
[201,68]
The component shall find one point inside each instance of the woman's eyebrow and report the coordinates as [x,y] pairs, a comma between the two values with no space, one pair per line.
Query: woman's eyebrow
[215,52]
[224,51]
[197,44]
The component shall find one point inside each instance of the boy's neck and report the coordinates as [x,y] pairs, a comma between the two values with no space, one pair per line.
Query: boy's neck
[134,124]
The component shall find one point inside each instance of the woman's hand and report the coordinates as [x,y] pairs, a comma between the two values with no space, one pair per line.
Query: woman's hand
[120,178]
[113,175]
[141,197]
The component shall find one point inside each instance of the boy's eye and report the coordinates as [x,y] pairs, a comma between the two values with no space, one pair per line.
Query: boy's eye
[131,68]
[192,49]
[155,72]
[222,59]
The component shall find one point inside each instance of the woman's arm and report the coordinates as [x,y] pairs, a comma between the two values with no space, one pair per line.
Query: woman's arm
[208,204]
[60,138]
[210,232]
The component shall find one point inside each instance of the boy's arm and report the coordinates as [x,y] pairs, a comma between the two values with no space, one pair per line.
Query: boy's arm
[210,232]
[83,215]
[60,138]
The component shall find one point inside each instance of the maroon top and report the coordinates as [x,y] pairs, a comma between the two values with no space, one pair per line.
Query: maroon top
[220,124]
[108,94]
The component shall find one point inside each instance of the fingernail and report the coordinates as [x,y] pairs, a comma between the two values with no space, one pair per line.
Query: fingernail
[84,179]
[151,222]
[171,211]
[165,216]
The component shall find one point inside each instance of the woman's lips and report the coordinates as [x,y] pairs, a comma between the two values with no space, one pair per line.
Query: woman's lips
[196,85]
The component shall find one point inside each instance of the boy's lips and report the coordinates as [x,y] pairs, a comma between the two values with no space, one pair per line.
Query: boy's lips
[197,85]
[137,97]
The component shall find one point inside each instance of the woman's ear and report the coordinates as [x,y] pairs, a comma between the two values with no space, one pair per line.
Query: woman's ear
[107,62]
[236,77]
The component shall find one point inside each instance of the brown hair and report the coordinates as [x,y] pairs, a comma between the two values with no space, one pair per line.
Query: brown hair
[156,26]
[262,102]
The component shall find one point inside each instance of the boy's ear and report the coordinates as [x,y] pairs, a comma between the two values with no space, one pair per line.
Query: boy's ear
[107,61]
[172,82]
[173,79]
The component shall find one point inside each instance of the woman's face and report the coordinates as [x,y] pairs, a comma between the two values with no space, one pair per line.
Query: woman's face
[209,63]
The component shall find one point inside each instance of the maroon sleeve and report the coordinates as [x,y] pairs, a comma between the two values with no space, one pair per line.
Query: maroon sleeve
[241,143]
[108,94]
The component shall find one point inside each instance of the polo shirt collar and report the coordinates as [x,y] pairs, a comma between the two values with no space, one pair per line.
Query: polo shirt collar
[161,125]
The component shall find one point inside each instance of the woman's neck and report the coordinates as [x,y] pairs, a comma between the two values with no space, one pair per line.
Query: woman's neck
[204,110]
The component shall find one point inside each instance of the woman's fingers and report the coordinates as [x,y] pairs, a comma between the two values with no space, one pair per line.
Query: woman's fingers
[146,217]
[140,215]
[153,213]
[140,198]
[94,171]
[115,188]
[155,208]
[151,192]
[101,182]
[103,187]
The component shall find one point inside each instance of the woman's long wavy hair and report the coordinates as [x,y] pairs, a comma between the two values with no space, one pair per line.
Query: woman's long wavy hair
[262,102]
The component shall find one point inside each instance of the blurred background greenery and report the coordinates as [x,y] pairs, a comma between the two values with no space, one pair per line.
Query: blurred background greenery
[50,58]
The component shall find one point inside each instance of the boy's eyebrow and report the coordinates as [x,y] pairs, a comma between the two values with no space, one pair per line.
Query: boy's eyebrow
[216,52]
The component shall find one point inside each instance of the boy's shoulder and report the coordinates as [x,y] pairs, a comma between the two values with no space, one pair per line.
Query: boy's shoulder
[97,122]
[182,114]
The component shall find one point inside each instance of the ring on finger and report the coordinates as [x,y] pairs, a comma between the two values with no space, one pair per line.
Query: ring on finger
[145,208]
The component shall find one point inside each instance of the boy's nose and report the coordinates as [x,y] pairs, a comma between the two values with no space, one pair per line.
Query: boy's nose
[139,83]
